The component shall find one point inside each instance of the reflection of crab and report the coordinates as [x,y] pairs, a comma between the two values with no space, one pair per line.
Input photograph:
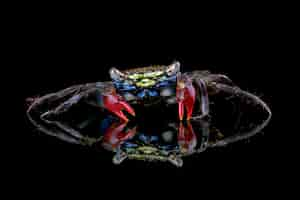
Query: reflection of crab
[170,145]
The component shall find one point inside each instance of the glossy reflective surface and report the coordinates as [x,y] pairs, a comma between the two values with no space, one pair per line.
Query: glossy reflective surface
[155,134]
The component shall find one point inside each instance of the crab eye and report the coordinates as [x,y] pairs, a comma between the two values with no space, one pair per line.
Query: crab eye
[173,68]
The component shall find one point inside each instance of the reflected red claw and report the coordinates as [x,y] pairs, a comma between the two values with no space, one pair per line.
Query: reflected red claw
[114,130]
[180,110]
[186,138]
[115,135]
[130,133]
[186,133]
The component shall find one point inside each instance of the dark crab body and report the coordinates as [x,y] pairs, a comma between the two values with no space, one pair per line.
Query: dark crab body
[148,86]
[164,85]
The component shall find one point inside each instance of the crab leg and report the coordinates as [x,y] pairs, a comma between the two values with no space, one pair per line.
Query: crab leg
[204,98]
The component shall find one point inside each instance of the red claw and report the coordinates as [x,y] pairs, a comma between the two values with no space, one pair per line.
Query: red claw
[185,93]
[127,107]
[186,138]
[116,134]
[115,104]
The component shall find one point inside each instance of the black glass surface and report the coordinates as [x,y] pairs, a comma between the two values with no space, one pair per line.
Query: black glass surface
[54,57]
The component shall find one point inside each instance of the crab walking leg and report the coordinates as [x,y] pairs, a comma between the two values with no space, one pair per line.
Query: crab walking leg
[62,132]
[205,131]
[219,78]
[204,102]
[255,99]
[72,93]
[204,97]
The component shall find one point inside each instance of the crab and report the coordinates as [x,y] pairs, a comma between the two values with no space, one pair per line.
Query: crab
[159,84]
[193,96]
[144,87]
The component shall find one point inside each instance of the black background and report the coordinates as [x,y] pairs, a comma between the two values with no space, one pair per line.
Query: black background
[58,49]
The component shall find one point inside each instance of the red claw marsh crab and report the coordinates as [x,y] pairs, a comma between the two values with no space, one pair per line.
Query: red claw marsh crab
[147,86]
[129,93]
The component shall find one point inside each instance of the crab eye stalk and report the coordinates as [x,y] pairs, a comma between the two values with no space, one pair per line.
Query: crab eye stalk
[173,69]
[116,74]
